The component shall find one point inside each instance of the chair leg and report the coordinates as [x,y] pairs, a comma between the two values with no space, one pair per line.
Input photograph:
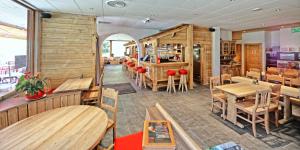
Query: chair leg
[185,83]
[168,85]
[276,118]
[267,122]
[223,110]
[140,82]
[212,105]
[254,124]
[180,81]
[173,84]
[137,79]
[144,80]
[114,134]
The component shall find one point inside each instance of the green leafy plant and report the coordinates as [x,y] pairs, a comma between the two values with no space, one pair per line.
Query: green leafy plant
[30,84]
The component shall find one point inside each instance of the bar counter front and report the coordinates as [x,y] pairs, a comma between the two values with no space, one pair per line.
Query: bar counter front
[157,73]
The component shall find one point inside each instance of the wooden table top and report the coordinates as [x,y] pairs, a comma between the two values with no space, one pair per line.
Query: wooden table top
[74,85]
[72,127]
[285,90]
[241,89]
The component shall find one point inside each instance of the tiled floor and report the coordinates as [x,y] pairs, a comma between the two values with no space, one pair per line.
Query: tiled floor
[190,110]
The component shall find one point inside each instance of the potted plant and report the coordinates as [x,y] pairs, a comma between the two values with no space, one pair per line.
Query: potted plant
[32,86]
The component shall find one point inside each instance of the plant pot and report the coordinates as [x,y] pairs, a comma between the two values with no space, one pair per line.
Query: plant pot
[36,96]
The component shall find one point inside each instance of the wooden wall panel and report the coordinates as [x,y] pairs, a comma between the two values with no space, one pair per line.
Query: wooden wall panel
[12,115]
[68,47]
[203,37]
[17,113]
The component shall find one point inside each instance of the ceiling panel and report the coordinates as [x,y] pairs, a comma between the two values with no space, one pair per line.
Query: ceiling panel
[228,14]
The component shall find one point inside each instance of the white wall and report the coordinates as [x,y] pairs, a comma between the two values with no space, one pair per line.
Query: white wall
[289,39]
[226,35]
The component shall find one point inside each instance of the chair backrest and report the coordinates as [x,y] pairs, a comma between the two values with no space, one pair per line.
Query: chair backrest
[226,77]
[273,70]
[291,73]
[276,91]
[295,82]
[254,70]
[275,78]
[112,95]
[262,99]
[253,75]
[214,81]
[100,88]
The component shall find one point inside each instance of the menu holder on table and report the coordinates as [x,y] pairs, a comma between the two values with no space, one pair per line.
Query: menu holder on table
[158,134]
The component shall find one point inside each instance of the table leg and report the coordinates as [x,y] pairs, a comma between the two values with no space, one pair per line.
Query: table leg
[287,110]
[232,111]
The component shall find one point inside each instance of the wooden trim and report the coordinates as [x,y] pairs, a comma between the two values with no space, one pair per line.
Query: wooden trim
[272,28]
[165,32]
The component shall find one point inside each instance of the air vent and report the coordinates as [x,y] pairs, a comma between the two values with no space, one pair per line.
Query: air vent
[104,22]
[116,3]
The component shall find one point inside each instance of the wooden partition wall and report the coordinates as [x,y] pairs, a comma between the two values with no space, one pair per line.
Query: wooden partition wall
[18,113]
[186,35]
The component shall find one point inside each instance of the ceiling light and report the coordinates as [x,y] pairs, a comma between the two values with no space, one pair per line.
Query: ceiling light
[147,20]
[277,9]
[116,3]
[256,9]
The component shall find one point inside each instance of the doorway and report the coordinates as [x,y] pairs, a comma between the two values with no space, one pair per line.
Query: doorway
[253,57]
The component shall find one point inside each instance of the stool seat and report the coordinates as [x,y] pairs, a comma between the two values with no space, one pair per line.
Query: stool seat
[128,63]
[137,68]
[182,71]
[131,65]
[142,70]
[171,73]
[125,60]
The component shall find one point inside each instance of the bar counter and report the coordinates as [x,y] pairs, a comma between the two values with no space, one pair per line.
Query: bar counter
[157,73]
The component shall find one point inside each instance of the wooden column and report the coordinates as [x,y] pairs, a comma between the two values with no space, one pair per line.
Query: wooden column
[155,44]
[189,54]
[110,48]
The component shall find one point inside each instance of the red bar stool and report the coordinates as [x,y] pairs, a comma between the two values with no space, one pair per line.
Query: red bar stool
[183,80]
[128,63]
[171,83]
[142,77]
[136,69]
[131,69]
[124,66]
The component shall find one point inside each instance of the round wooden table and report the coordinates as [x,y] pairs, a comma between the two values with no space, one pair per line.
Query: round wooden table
[73,127]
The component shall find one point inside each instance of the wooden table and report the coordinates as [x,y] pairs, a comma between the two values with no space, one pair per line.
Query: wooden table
[74,85]
[286,91]
[73,127]
[234,91]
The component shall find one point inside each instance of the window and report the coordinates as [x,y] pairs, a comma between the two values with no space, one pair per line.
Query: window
[13,44]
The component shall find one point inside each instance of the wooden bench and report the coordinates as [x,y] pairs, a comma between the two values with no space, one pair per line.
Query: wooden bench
[10,114]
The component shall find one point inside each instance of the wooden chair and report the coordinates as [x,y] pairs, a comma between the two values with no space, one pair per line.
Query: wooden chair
[112,95]
[93,95]
[274,105]
[272,71]
[290,74]
[217,96]
[295,82]
[253,75]
[256,110]
[275,79]
[226,77]
[254,70]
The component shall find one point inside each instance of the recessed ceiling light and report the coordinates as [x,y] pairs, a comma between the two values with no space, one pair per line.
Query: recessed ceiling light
[277,9]
[256,9]
[116,3]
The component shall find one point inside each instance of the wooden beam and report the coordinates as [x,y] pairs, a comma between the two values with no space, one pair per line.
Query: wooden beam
[189,54]
[273,28]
